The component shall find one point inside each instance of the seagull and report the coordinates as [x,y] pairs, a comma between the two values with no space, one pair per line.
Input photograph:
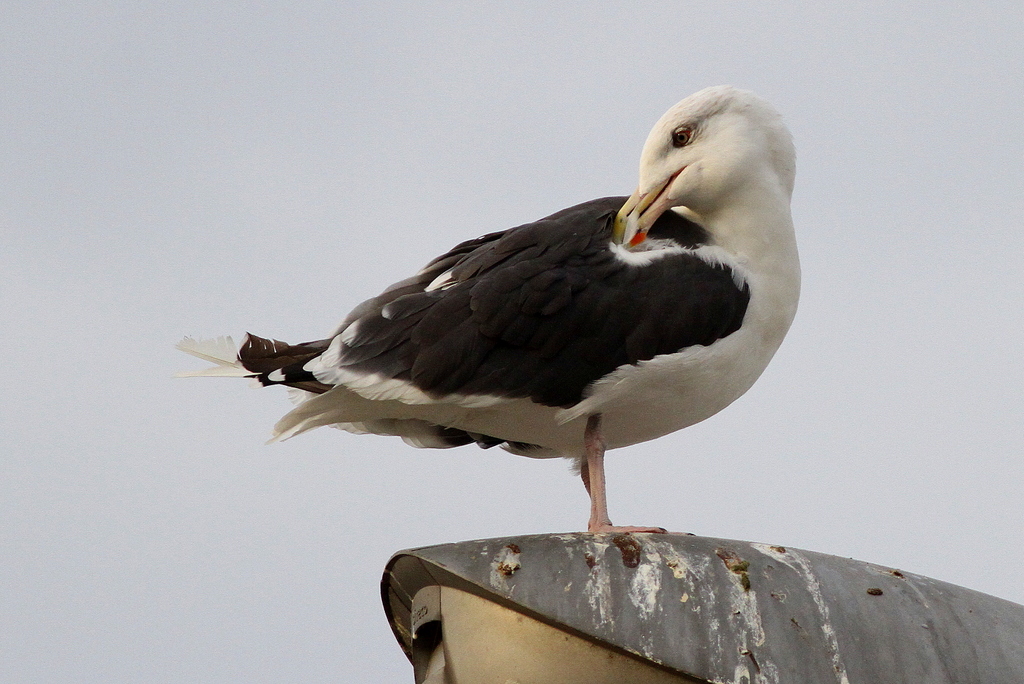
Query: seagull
[612,322]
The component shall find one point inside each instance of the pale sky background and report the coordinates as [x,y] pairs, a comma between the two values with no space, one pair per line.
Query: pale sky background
[194,168]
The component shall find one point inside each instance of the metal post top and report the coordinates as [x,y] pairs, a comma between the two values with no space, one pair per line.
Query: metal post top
[717,610]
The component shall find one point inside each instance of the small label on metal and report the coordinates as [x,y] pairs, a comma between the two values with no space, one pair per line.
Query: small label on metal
[426,607]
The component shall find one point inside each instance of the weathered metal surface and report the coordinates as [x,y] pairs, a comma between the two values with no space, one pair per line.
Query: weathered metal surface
[730,611]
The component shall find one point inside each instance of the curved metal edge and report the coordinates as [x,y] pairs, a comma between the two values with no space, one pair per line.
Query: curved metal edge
[830,589]
[406,574]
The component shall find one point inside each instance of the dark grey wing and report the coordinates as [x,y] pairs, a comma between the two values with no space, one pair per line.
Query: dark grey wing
[543,310]
[263,356]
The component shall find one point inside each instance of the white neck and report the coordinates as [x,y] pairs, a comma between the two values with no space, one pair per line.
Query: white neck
[755,225]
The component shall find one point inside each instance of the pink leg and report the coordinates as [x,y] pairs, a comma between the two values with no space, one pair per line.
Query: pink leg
[592,473]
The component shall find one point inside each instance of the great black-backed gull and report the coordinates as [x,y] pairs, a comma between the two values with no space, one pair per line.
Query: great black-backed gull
[606,324]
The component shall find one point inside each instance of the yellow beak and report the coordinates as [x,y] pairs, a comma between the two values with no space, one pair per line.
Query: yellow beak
[633,220]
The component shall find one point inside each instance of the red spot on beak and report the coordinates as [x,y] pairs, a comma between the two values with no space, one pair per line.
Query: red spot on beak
[637,239]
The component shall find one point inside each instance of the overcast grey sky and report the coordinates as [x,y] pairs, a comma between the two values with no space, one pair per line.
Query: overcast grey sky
[174,168]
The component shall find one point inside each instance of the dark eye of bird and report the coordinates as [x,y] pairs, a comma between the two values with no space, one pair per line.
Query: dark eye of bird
[682,136]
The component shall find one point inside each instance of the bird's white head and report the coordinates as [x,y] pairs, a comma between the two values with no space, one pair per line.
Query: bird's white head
[704,151]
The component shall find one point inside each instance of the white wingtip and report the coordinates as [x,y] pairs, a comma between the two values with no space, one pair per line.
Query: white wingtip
[221,351]
[280,436]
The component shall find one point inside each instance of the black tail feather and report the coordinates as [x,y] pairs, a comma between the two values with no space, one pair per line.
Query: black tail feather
[285,362]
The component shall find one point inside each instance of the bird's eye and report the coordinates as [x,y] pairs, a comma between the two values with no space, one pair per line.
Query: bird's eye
[682,136]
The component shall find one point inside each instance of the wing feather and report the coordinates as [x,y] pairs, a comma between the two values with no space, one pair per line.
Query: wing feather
[540,311]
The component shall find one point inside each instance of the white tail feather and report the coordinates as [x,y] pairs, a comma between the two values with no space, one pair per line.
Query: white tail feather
[221,351]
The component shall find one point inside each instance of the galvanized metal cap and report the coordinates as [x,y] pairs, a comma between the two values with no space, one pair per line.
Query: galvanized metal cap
[718,610]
